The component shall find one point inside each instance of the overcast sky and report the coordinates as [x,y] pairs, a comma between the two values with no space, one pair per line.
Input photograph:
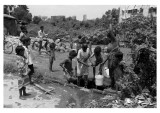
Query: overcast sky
[92,11]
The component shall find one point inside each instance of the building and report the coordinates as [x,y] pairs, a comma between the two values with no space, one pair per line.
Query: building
[129,11]
[84,17]
[10,25]
[57,18]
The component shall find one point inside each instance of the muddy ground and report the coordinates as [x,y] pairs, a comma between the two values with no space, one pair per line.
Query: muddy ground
[61,96]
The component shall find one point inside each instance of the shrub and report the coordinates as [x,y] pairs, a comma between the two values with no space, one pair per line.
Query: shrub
[32,33]
[36,19]
[9,68]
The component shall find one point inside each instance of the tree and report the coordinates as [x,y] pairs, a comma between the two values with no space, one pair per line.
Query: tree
[28,17]
[115,16]
[22,13]
[139,28]
[24,7]
[110,17]
[36,19]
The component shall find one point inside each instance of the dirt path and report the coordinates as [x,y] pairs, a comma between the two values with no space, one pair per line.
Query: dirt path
[62,96]
[36,99]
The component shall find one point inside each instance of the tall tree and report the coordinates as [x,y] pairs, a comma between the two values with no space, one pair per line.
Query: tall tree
[115,15]
[24,7]
[22,13]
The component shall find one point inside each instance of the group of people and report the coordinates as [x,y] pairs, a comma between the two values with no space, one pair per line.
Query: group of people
[83,52]
[24,62]
[25,56]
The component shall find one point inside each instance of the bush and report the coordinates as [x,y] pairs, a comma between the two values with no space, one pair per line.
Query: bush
[9,68]
[32,33]
[36,19]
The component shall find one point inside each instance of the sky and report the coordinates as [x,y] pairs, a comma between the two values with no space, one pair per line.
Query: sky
[92,11]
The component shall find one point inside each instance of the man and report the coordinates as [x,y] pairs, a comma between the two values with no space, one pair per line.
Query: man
[41,35]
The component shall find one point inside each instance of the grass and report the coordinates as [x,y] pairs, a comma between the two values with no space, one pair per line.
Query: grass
[9,68]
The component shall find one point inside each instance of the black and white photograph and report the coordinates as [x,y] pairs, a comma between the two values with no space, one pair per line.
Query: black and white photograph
[79,56]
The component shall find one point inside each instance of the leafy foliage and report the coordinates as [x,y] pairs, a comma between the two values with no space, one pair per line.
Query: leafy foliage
[137,29]
[21,12]
[36,19]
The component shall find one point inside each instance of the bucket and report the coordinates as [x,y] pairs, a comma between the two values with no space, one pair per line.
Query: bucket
[99,80]
[106,72]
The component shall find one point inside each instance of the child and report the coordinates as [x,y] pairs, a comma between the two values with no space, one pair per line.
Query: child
[67,64]
[114,58]
[26,42]
[82,64]
[51,55]
[22,69]
[78,45]
[99,60]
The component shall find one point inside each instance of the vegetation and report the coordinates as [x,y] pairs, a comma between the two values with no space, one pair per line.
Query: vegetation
[138,30]
[20,12]
[36,19]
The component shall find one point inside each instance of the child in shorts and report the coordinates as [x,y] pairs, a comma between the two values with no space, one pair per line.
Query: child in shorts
[22,66]
[51,55]
[28,53]
[67,64]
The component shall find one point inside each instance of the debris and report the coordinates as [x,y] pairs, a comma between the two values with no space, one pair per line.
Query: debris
[43,89]
[85,89]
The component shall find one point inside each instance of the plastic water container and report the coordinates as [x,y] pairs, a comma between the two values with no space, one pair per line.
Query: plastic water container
[99,80]
[106,72]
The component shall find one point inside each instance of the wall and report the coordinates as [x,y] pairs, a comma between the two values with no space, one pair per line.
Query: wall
[11,26]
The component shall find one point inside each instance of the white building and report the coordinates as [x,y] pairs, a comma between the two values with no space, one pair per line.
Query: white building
[128,11]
